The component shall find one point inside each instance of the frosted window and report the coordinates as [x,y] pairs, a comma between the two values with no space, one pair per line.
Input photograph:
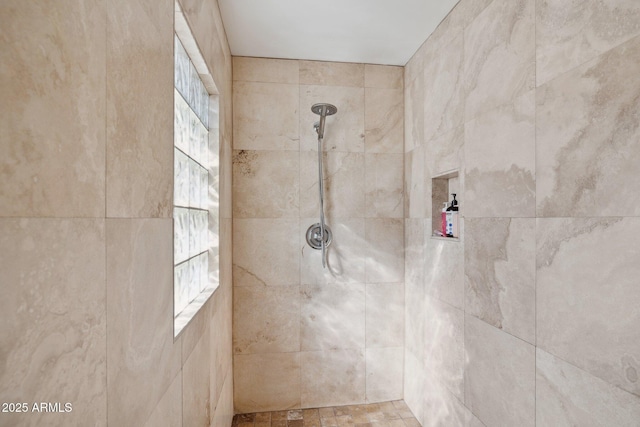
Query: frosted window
[195,196]
[182,68]
[181,179]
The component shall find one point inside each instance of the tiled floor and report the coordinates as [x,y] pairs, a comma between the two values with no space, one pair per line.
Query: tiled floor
[386,414]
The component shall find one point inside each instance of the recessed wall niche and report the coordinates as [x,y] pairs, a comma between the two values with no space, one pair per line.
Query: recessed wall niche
[442,188]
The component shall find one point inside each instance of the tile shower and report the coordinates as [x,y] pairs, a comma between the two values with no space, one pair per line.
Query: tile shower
[529,319]
[532,318]
[305,336]
[85,218]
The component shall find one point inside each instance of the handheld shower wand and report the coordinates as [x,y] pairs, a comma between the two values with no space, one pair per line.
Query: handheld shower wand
[319,235]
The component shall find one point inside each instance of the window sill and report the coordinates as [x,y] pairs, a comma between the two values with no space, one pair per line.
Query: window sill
[181,321]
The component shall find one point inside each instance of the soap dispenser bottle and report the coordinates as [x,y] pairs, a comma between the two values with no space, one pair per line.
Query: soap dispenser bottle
[443,221]
[452,218]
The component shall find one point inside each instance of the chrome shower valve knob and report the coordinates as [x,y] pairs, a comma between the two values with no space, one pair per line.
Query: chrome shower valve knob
[314,234]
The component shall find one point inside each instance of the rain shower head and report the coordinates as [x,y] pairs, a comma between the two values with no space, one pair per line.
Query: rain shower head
[323,110]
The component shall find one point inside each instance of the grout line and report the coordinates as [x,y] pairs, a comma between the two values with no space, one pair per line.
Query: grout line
[300,228]
[582,64]
[106,270]
[535,226]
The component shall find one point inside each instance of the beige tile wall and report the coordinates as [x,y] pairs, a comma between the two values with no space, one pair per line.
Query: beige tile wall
[531,318]
[85,218]
[304,336]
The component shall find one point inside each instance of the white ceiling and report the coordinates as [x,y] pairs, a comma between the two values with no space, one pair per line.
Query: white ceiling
[367,31]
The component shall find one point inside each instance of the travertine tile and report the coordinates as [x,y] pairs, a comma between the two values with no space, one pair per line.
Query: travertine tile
[414,287]
[444,272]
[224,410]
[384,175]
[265,184]
[383,76]
[262,417]
[377,419]
[441,408]
[53,109]
[414,385]
[569,396]
[331,73]
[400,405]
[329,422]
[412,422]
[196,377]
[466,11]
[444,89]
[266,70]
[384,239]
[383,120]
[333,317]
[414,249]
[199,325]
[344,421]
[384,315]
[569,34]
[386,407]
[333,377]
[444,346]
[326,412]
[345,255]
[265,252]
[168,412]
[266,319]
[450,27]
[343,411]
[343,131]
[414,98]
[500,273]
[53,323]
[587,273]
[221,358]
[266,382]
[276,416]
[384,373]
[500,156]
[499,42]
[413,68]
[587,128]
[139,147]
[366,409]
[416,190]
[265,116]
[445,153]
[499,377]
[344,186]
[311,414]
[142,359]
[295,414]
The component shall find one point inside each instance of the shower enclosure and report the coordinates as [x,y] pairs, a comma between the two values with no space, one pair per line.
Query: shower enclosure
[305,336]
